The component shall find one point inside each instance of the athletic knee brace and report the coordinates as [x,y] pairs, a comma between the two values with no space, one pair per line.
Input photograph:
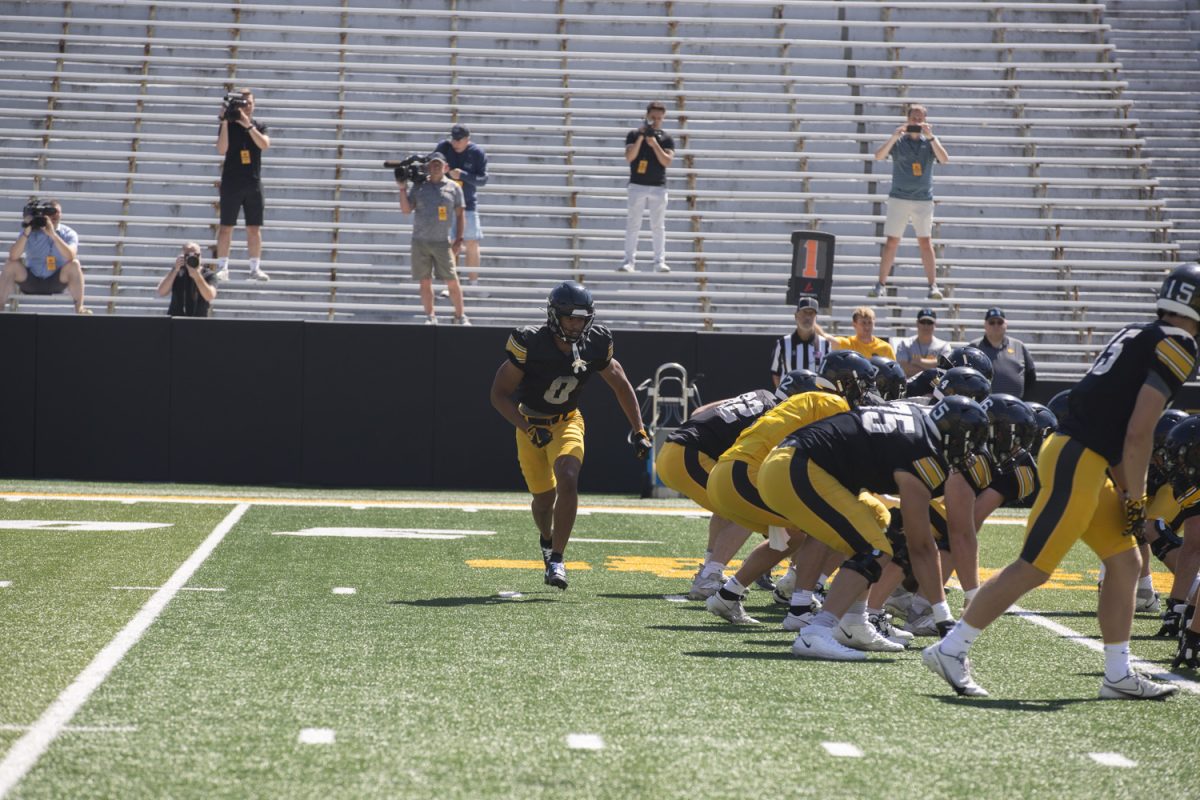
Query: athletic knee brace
[865,564]
[1167,540]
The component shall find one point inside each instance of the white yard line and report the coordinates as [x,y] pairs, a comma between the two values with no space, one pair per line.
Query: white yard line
[585,741]
[26,751]
[1153,670]
[842,749]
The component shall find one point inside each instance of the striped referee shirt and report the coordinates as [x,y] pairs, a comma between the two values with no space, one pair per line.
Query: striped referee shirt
[792,352]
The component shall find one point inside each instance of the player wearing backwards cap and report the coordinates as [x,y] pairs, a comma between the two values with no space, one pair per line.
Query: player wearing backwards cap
[537,389]
[1105,439]
[437,208]
[467,165]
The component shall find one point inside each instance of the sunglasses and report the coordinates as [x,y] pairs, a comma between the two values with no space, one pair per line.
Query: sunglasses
[995,321]
[924,322]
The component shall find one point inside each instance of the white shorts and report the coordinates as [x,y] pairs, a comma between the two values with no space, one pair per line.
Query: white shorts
[901,212]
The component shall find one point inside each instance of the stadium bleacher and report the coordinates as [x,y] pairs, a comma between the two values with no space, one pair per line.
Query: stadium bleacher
[1049,207]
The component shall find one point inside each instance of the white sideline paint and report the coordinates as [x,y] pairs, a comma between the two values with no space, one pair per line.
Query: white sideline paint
[26,751]
[156,588]
[387,533]
[8,726]
[842,749]
[575,539]
[316,736]
[675,598]
[344,590]
[509,595]
[1145,667]
[584,741]
[5,584]
[1112,760]
[72,525]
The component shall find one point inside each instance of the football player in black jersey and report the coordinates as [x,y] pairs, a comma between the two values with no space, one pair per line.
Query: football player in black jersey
[537,389]
[1182,466]
[1106,437]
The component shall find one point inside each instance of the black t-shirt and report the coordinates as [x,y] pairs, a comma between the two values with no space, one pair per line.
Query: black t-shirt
[714,430]
[645,169]
[554,380]
[185,296]
[1100,405]
[243,159]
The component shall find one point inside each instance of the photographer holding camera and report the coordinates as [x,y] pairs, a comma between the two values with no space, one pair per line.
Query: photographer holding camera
[437,206]
[43,258]
[192,288]
[241,139]
[913,148]
[649,151]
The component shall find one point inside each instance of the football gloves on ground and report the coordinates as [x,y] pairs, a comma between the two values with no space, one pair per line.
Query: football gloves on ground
[1189,651]
[641,444]
[1172,619]
[539,436]
[1135,517]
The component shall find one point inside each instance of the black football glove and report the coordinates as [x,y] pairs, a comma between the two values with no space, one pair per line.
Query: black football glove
[641,444]
[539,436]
[1135,517]
[1189,651]
[1172,620]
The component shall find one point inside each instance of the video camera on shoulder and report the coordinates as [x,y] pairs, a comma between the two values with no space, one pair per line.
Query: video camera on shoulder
[414,168]
[37,211]
[234,103]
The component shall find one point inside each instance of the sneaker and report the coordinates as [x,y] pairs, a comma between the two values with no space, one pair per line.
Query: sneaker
[556,575]
[83,311]
[1147,600]
[705,586]
[934,292]
[784,588]
[626,267]
[259,275]
[444,293]
[460,320]
[900,603]
[922,625]
[730,610]
[431,319]
[765,583]
[798,622]
[222,275]
[818,642]
[862,636]
[954,670]
[661,266]
[883,624]
[1135,686]
[876,290]
[818,599]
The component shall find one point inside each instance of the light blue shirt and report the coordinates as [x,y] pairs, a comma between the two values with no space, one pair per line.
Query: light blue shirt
[912,169]
[39,246]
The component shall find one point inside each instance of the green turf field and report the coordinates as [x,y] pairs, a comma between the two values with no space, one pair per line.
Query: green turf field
[452,671]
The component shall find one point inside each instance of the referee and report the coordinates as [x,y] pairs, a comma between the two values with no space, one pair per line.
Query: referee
[803,348]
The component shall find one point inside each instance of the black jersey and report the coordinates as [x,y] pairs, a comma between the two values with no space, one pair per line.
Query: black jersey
[1100,405]
[1017,481]
[553,379]
[863,448]
[714,430]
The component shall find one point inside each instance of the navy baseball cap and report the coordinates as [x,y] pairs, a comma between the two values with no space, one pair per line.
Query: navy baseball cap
[459,132]
[993,313]
[806,302]
[926,313]
[436,156]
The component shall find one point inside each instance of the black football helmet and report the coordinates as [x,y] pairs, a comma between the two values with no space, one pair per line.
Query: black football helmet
[799,381]
[1158,455]
[964,381]
[850,373]
[1046,424]
[923,383]
[1060,404]
[890,380]
[1183,455]
[963,427]
[569,299]
[1013,427]
[1180,292]
[967,356]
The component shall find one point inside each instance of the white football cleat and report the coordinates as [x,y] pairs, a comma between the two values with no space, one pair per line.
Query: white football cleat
[883,624]
[729,610]
[798,622]
[1135,686]
[556,575]
[818,642]
[1147,600]
[900,603]
[954,670]
[784,588]
[862,636]
[705,586]
[922,625]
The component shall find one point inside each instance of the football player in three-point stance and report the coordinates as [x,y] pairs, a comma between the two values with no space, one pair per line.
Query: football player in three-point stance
[537,389]
[1105,439]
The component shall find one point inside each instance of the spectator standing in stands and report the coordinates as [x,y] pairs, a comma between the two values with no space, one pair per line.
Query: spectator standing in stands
[191,286]
[1011,362]
[242,142]
[915,354]
[804,347]
[913,148]
[43,260]
[864,341]
[437,208]
[468,167]
[649,151]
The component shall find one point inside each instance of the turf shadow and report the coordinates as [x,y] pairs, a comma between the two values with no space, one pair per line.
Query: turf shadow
[770,642]
[716,627]
[460,602]
[776,656]
[656,596]
[992,704]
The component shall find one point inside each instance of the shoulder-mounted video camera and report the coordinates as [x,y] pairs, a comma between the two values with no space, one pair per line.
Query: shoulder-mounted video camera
[414,168]
[234,103]
[36,211]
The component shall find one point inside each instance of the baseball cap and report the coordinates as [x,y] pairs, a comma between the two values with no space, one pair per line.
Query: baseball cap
[993,312]
[436,156]
[806,302]
[926,313]
[459,132]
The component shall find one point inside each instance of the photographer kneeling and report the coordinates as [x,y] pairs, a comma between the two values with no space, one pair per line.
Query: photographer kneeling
[192,288]
[43,258]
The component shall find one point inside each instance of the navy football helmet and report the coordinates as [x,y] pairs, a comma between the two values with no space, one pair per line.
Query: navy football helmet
[1059,405]
[1183,455]
[967,356]
[569,299]
[799,381]
[1046,425]
[964,381]
[922,384]
[1180,291]
[963,427]
[852,374]
[1013,427]
[1158,455]
[890,380]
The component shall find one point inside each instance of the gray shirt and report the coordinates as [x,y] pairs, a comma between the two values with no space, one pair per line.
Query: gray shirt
[1013,366]
[912,169]
[434,206]
[909,348]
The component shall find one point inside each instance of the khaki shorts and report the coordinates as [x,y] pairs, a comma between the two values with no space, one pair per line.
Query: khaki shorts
[431,259]
[901,212]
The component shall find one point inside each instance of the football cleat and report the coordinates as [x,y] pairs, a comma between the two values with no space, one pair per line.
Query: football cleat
[798,622]
[862,636]
[765,583]
[1189,650]
[556,575]
[818,642]
[1147,600]
[922,625]
[818,598]
[546,553]
[705,586]
[1135,686]
[944,628]
[784,588]
[900,603]
[954,670]
[729,610]
[883,624]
